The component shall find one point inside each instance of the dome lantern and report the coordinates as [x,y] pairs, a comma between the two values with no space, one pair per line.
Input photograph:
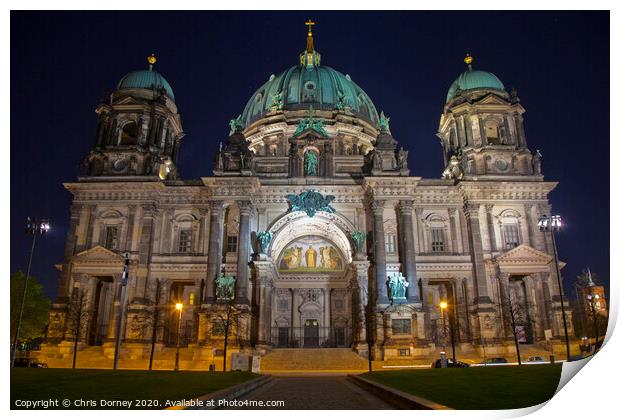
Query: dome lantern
[474,79]
[310,57]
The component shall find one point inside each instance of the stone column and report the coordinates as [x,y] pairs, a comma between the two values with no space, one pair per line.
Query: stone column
[130,224]
[203,231]
[531,233]
[520,130]
[145,247]
[504,289]
[461,132]
[70,245]
[507,132]
[327,316]
[416,226]
[243,254]
[491,227]
[483,134]
[532,309]
[408,257]
[453,235]
[462,315]
[379,252]
[468,132]
[91,223]
[477,256]
[214,257]
[359,286]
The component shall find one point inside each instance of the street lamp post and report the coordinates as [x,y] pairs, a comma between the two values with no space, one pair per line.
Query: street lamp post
[179,307]
[443,306]
[551,225]
[34,227]
[121,312]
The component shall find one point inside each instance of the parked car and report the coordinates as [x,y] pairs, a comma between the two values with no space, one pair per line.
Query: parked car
[450,364]
[535,359]
[28,362]
[495,361]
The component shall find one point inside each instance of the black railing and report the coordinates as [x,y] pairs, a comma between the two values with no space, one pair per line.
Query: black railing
[311,337]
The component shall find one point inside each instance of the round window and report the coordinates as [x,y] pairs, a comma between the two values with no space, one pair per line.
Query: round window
[310,85]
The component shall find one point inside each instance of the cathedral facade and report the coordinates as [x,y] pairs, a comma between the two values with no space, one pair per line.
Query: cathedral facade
[312,231]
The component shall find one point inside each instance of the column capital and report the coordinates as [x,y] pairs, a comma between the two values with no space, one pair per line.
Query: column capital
[451,211]
[245,207]
[216,207]
[489,208]
[377,207]
[471,210]
[503,277]
[419,211]
[76,210]
[405,206]
[149,210]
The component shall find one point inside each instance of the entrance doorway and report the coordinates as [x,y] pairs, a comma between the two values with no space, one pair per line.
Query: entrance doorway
[311,333]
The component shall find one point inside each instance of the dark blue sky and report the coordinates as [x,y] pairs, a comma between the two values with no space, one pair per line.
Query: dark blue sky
[62,63]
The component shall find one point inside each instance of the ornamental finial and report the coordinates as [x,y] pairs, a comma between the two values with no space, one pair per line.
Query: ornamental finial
[468,60]
[151,60]
[309,39]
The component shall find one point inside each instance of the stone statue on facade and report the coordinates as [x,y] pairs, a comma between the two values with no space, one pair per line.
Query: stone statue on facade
[276,102]
[384,123]
[235,125]
[454,169]
[358,240]
[225,287]
[536,163]
[310,201]
[402,158]
[264,239]
[311,164]
[397,287]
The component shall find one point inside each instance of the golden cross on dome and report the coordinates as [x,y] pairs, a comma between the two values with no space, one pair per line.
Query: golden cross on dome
[309,24]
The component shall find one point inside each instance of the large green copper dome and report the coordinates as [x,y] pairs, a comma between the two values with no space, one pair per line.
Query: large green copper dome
[145,79]
[474,79]
[303,86]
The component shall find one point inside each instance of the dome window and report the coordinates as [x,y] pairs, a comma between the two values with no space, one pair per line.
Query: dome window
[310,85]
[129,134]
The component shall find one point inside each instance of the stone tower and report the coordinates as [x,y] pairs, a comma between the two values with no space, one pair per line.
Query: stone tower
[139,130]
[481,130]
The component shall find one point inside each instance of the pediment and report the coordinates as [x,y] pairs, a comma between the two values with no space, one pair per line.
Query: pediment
[98,254]
[492,99]
[128,100]
[524,254]
[311,132]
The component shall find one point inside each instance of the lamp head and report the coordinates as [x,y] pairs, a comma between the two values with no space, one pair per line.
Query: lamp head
[179,306]
[443,305]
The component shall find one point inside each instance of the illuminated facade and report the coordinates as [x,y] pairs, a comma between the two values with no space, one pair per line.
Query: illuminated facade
[313,209]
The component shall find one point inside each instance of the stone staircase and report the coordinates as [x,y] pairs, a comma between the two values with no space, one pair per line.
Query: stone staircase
[313,360]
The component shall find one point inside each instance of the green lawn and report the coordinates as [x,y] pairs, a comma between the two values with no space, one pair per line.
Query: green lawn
[124,385]
[483,388]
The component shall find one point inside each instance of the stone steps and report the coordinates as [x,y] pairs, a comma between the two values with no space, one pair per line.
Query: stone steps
[308,360]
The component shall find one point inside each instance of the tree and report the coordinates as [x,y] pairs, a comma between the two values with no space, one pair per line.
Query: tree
[228,321]
[36,308]
[78,317]
[516,314]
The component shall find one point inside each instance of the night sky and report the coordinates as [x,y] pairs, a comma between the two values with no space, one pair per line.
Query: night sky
[62,63]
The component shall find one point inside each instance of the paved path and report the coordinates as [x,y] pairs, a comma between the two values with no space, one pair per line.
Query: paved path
[316,393]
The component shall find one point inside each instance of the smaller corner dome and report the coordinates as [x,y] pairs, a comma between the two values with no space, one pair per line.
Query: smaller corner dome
[474,79]
[145,79]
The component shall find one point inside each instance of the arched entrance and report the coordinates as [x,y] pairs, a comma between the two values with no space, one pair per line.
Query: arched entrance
[312,256]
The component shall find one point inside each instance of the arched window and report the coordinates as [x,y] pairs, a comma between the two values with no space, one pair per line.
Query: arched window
[129,134]
[436,226]
[491,129]
[509,221]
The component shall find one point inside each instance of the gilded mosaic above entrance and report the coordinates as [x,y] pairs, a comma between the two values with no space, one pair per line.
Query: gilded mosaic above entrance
[310,254]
